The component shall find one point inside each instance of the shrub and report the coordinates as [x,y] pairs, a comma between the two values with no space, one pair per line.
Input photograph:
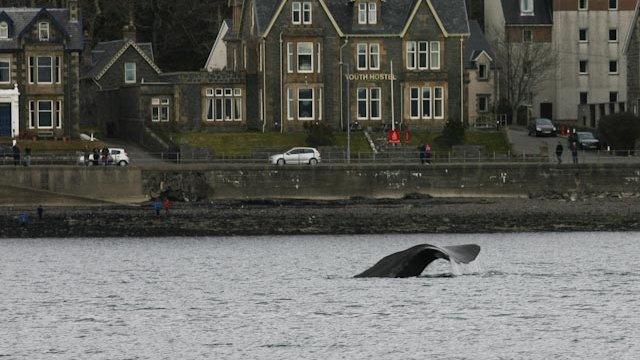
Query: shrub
[319,134]
[452,134]
[620,131]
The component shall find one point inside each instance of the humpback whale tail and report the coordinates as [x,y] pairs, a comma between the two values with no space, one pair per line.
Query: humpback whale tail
[413,261]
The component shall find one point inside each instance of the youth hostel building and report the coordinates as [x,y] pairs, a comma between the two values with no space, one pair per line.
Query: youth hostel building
[373,62]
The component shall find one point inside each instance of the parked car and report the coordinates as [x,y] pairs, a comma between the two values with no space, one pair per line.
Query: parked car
[301,155]
[586,140]
[542,127]
[117,156]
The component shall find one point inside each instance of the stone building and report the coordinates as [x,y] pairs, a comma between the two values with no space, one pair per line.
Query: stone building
[632,53]
[377,63]
[483,92]
[39,71]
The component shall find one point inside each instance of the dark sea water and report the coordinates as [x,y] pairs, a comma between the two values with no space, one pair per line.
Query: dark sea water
[529,296]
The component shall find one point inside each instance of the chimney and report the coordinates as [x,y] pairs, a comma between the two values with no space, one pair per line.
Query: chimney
[73,11]
[129,31]
[236,8]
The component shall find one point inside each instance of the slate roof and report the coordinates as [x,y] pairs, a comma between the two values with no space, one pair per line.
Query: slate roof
[394,15]
[541,13]
[103,53]
[476,44]
[22,17]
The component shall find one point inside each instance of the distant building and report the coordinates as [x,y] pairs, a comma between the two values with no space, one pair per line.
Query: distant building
[483,78]
[39,71]
[632,53]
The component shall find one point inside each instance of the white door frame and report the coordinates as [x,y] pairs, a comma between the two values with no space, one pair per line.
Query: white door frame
[12,96]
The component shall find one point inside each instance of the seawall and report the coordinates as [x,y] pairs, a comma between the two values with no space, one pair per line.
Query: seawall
[217,182]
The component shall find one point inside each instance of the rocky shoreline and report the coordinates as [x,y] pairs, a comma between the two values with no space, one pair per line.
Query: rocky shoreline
[306,217]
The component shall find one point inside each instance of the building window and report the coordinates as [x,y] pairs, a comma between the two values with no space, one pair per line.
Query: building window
[526,7]
[32,114]
[438,102]
[423,55]
[160,109]
[45,114]
[224,104]
[482,72]
[613,66]
[305,57]
[414,103]
[363,100]
[373,13]
[318,56]
[483,103]
[43,31]
[362,13]
[4,30]
[584,67]
[290,104]
[527,36]
[374,56]
[584,98]
[613,4]
[613,35]
[58,116]
[306,13]
[306,108]
[435,55]
[45,70]
[290,58]
[368,56]
[296,13]
[426,102]
[583,4]
[411,55]
[130,73]
[57,71]
[583,35]
[362,56]
[5,71]
[613,97]
[369,103]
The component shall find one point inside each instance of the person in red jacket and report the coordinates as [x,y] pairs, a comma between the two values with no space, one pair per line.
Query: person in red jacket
[166,205]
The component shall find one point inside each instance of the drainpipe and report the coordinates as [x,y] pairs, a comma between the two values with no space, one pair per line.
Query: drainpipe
[461,80]
[264,84]
[346,41]
[281,88]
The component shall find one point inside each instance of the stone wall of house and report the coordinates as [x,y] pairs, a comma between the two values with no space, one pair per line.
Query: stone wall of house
[114,77]
[633,68]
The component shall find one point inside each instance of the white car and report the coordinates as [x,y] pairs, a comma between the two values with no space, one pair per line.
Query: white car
[117,156]
[301,155]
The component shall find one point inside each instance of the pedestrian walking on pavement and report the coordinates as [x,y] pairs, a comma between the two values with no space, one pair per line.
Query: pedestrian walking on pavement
[423,154]
[427,153]
[157,206]
[166,204]
[559,151]
[40,212]
[574,152]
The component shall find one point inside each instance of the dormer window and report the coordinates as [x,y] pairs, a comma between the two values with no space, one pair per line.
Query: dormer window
[43,31]
[526,7]
[367,12]
[4,30]
[301,13]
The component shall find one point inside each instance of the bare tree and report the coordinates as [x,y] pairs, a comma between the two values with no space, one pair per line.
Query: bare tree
[524,69]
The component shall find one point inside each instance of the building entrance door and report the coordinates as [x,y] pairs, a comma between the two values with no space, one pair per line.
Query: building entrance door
[546,110]
[5,120]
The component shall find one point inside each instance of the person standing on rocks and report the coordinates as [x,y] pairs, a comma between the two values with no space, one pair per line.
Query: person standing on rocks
[559,151]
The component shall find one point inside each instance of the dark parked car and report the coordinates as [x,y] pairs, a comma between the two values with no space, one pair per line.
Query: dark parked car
[585,140]
[542,127]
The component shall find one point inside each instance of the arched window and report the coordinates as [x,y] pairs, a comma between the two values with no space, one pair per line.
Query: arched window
[4,30]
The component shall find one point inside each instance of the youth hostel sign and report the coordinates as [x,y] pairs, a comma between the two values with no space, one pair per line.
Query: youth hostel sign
[370,77]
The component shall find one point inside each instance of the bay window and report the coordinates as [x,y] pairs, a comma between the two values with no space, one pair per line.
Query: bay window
[306,108]
[45,114]
[160,109]
[305,57]
[45,70]
[290,58]
[414,103]
[423,55]
[438,102]
[426,102]
[290,104]
[435,55]
[58,116]
[224,104]
[411,55]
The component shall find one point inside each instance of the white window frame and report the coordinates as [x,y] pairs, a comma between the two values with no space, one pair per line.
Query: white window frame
[437,99]
[429,99]
[374,55]
[290,58]
[51,70]
[417,100]
[57,70]
[310,54]
[580,5]
[313,104]
[159,105]
[526,7]
[58,115]
[290,104]
[32,114]
[307,9]
[362,13]
[4,30]
[319,56]
[8,68]
[411,55]
[372,13]
[44,31]
[362,53]
[38,111]
[32,65]
[373,100]
[434,51]
[296,10]
[228,102]
[423,52]
[612,8]
[320,103]
[127,71]
[364,100]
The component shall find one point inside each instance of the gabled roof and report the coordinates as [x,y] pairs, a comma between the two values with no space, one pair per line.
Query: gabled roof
[22,18]
[105,54]
[476,45]
[632,27]
[394,16]
[513,16]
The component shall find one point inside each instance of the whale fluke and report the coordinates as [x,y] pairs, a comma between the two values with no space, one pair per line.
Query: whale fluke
[413,261]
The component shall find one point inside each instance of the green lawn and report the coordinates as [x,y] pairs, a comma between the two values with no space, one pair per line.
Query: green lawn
[492,140]
[241,144]
[45,146]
